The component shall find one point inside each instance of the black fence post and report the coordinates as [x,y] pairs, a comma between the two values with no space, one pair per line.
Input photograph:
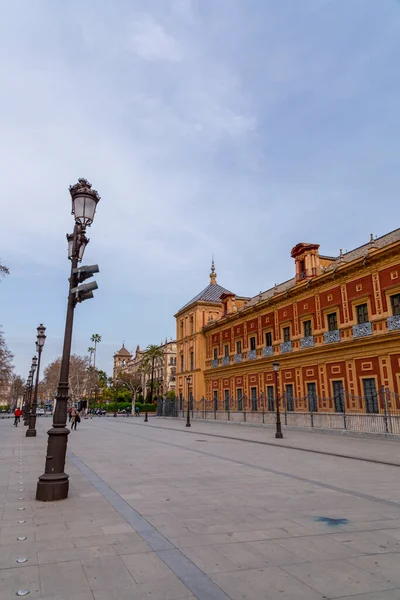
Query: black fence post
[285,406]
[263,406]
[388,405]
[344,410]
[385,417]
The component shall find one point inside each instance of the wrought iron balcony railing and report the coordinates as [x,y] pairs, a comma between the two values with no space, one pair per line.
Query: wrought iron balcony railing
[225,361]
[215,362]
[252,354]
[238,358]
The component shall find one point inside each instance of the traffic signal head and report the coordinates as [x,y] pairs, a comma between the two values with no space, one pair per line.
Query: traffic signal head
[84,272]
[84,292]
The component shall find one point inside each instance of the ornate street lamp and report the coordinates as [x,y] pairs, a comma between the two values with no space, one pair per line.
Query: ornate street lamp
[26,403]
[278,433]
[188,381]
[54,483]
[30,388]
[40,340]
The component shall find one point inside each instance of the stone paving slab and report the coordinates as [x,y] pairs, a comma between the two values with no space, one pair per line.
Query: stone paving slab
[370,448]
[155,513]
[77,549]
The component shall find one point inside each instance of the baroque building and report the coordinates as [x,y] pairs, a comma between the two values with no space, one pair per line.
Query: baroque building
[334,328]
[191,319]
[134,364]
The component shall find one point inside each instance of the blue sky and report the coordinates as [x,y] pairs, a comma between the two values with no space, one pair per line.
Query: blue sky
[228,127]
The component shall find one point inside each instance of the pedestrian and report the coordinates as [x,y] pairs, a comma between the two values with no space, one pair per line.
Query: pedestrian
[137,414]
[69,415]
[75,418]
[17,416]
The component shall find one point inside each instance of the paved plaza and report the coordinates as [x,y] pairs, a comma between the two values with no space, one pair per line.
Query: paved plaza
[160,512]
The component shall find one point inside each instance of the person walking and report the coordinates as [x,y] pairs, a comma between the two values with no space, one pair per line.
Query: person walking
[137,410]
[17,416]
[75,418]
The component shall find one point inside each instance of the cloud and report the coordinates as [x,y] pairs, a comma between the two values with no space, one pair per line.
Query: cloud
[208,127]
[149,40]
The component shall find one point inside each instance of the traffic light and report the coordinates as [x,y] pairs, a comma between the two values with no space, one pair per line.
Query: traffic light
[84,272]
[85,291]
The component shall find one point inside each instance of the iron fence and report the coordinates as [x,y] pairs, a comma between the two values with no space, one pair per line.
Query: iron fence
[343,411]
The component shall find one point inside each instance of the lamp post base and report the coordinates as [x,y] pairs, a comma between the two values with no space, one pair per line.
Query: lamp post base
[279,435]
[188,425]
[52,487]
[30,433]
[146,418]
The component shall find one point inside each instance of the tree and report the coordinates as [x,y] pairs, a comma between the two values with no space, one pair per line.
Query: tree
[4,271]
[6,357]
[17,388]
[6,370]
[132,382]
[79,381]
[152,353]
[91,351]
[96,339]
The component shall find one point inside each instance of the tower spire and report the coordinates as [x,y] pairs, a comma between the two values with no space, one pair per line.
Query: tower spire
[213,275]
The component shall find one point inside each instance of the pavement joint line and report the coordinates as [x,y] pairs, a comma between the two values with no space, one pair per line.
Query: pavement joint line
[191,576]
[275,471]
[298,448]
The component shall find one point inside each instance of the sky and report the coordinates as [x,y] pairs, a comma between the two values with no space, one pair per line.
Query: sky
[233,128]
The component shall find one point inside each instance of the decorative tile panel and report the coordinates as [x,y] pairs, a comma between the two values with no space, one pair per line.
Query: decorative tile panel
[393,322]
[286,347]
[267,351]
[332,336]
[307,342]
[362,330]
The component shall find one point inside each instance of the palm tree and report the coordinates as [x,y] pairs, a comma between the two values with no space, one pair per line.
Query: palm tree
[91,351]
[96,339]
[151,354]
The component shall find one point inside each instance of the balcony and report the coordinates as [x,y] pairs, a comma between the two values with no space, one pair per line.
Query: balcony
[286,347]
[252,354]
[215,362]
[238,358]
[332,336]
[225,361]
[307,342]
[267,351]
[362,330]
[393,323]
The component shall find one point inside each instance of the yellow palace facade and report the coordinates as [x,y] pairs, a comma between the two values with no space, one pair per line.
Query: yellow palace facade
[334,328]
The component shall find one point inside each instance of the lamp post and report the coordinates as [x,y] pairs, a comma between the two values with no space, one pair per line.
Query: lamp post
[26,393]
[29,391]
[41,338]
[278,433]
[188,381]
[26,399]
[54,484]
